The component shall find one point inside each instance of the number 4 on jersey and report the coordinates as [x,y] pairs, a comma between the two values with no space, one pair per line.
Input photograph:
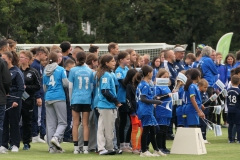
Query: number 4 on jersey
[52,82]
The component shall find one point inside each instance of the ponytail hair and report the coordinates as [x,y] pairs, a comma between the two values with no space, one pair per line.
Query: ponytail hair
[191,74]
[15,59]
[13,56]
[121,55]
[137,79]
[143,72]
[129,77]
[81,58]
[53,57]
[103,67]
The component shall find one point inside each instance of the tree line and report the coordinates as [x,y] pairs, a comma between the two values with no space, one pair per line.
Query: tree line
[121,21]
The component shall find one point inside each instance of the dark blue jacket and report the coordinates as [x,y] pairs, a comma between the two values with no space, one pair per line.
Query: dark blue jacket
[37,65]
[205,99]
[5,82]
[172,72]
[17,88]
[209,70]
[186,66]
[178,65]
[32,81]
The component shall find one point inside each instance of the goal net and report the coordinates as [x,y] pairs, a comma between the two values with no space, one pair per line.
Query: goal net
[153,49]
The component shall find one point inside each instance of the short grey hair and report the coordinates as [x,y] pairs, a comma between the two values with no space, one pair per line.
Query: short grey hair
[206,51]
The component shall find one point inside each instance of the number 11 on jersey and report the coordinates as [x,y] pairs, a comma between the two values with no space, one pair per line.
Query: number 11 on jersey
[81,82]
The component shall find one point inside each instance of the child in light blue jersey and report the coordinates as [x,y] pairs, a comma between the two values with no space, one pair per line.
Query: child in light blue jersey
[106,105]
[194,101]
[54,79]
[121,72]
[92,63]
[80,94]
[144,95]
[163,112]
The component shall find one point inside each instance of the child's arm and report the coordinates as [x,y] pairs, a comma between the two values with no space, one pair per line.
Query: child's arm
[144,99]
[194,103]
[110,97]
[163,96]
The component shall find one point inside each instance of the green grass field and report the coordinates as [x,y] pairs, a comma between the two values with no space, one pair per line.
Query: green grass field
[218,149]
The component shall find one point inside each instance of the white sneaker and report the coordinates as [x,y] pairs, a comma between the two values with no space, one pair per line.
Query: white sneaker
[126,149]
[136,151]
[55,142]
[14,148]
[52,150]
[37,139]
[3,150]
[146,154]
[45,138]
[55,150]
[76,150]
[103,152]
[206,142]
[160,153]
[85,149]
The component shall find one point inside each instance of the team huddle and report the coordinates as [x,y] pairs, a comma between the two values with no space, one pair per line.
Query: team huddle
[113,103]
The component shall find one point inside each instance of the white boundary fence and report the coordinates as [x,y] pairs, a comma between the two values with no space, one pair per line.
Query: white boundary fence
[152,49]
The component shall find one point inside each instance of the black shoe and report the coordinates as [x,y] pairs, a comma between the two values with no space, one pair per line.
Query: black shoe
[170,137]
[26,146]
[92,150]
[119,151]
[111,152]
[166,151]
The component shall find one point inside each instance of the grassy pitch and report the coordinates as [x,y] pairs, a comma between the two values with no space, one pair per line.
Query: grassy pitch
[219,149]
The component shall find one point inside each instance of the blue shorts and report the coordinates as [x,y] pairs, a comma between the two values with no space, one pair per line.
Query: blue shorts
[163,121]
[148,120]
[180,120]
[192,119]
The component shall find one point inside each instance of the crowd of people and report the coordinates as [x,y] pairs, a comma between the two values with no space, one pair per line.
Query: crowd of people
[112,103]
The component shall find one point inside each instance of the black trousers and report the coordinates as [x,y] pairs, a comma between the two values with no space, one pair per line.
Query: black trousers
[161,137]
[27,114]
[123,121]
[148,130]
[11,129]
[212,117]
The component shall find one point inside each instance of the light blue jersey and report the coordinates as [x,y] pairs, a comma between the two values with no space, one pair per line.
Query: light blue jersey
[54,85]
[121,74]
[106,82]
[81,81]
[115,78]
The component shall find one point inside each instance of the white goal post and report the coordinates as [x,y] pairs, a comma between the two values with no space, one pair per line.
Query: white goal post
[153,49]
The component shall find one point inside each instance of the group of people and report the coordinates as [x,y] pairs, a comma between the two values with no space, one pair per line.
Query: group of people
[110,103]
